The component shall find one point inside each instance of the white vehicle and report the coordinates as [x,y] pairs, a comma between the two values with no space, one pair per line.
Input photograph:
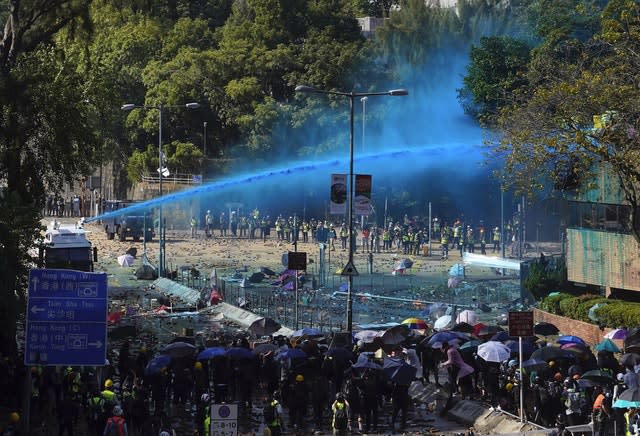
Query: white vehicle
[66,246]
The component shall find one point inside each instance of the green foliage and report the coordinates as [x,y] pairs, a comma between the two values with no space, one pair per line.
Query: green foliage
[543,278]
[551,303]
[619,314]
[612,314]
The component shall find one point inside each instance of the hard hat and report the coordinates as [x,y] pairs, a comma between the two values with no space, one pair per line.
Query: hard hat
[14,417]
[339,396]
[204,398]
[69,369]
[198,365]
[108,383]
[551,363]
[117,410]
[299,378]
[509,387]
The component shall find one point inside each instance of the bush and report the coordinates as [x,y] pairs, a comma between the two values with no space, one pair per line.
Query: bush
[613,314]
[551,303]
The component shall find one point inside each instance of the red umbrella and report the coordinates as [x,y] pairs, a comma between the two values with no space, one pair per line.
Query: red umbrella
[114,317]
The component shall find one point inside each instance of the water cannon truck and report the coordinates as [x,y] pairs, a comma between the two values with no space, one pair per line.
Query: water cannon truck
[136,225]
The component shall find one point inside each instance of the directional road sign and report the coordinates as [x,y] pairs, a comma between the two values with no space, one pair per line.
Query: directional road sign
[66,318]
[224,420]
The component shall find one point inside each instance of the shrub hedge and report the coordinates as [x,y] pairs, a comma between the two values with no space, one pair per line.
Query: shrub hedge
[613,314]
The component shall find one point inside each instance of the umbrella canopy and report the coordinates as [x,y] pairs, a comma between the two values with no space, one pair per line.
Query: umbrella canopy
[179,349]
[468,316]
[607,345]
[442,322]
[264,348]
[211,353]
[527,347]
[366,364]
[415,323]
[256,277]
[617,334]
[341,353]
[470,346]
[290,353]
[452,282]
[366,336]
[157,363]
[577,349]
[266,271]
[488,331]
[307,331]
[598,376]
[545,329]
[126,260]
[395,334]
[494,351]
[630,359]
[264,326]
[552,353]
[239,353]
[404,264]
[434,308]
[446,336]
[534,364]
[398,371]
[628,398]
[462,327]
[568,339]
[501,336]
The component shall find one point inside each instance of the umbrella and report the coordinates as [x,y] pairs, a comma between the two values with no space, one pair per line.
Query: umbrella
[179,349]
[630,359]
[501,336]
[366,364]
[534,364]
[607,345]
[366,336]
[457,270]
[632,348]
[468,316]
[462,327]
[617,334]
[256,277]
[395,334]
[404,264]
[125,260]
[488,331]
[570,339]
[446,336]
[307,331]
[527,347]
[442,322]
[551,353]
[264,348]
[264,326]
[598,376]
[494,351]
[266,271]
[592,313]
[628,398]
[452,282]
[157,363]
[114,317]
[415,323]
[340,353]
[211,352]
[545,329]
[398,371]
[290,353]
[577,349]
[434,308]
[239,353]
[470,346]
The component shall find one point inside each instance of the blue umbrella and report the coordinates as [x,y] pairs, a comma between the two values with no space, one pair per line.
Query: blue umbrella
[628,398]
[290,353]
[446,336]
[211,352]
[527,347]
[568,339]
[157,363]
[501,336]
[607,345]
[239,353]
[340,353]
[398,371]
[307,331]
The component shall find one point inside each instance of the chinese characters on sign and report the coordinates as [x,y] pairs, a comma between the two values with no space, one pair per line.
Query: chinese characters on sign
[224,420]
[520,323]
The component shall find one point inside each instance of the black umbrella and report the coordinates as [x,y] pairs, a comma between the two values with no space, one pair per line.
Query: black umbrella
[398,371]
[266,271]
[630,359]
[256,277]
[598,376]
[552,353]
[179,349]
[264,326]
[463,327]
[545,329]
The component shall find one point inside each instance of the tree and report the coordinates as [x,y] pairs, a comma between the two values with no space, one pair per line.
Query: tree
[45,135]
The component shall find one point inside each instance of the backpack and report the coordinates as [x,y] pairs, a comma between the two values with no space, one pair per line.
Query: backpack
[116,426]
[270,412]
[340,419]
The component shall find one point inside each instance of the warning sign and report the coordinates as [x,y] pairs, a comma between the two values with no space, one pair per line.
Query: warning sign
[349,270]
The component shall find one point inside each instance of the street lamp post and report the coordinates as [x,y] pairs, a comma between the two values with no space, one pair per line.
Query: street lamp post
[204,141]
[160,108]
[351,271]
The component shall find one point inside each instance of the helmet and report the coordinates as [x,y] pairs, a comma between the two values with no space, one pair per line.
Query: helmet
[108,383]
[208,211]
[299,378]
[339,396]
[69,369]
[204,398]
[198,365]
[551,363]
[509,387]
[14,417]
[512,363]
[164,433]
[117,410]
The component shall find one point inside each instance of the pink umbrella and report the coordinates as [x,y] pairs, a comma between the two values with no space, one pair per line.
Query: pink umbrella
[468,316]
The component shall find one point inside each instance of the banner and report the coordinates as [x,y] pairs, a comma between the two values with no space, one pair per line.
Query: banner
[338,205]
[362,200]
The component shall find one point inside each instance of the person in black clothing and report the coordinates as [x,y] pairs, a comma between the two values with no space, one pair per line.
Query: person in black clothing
[371,397]
[298,403]
[319,400]
[400,400]
[67,412]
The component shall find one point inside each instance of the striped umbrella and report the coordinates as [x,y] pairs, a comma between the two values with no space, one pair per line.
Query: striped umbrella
[415,323]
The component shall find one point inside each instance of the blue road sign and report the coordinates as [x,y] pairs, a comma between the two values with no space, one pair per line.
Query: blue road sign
[66,318]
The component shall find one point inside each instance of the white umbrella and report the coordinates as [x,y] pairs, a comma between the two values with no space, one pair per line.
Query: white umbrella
[494,351]
[468,316]
[442,322]
[125,260]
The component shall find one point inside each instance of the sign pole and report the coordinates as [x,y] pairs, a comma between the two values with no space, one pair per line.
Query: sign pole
[521,379]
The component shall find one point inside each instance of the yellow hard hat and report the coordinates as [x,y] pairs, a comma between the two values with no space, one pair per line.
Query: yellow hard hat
[198,365]
[14,417]
[551,363]
[509,386]
[108,383]
[299,378]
